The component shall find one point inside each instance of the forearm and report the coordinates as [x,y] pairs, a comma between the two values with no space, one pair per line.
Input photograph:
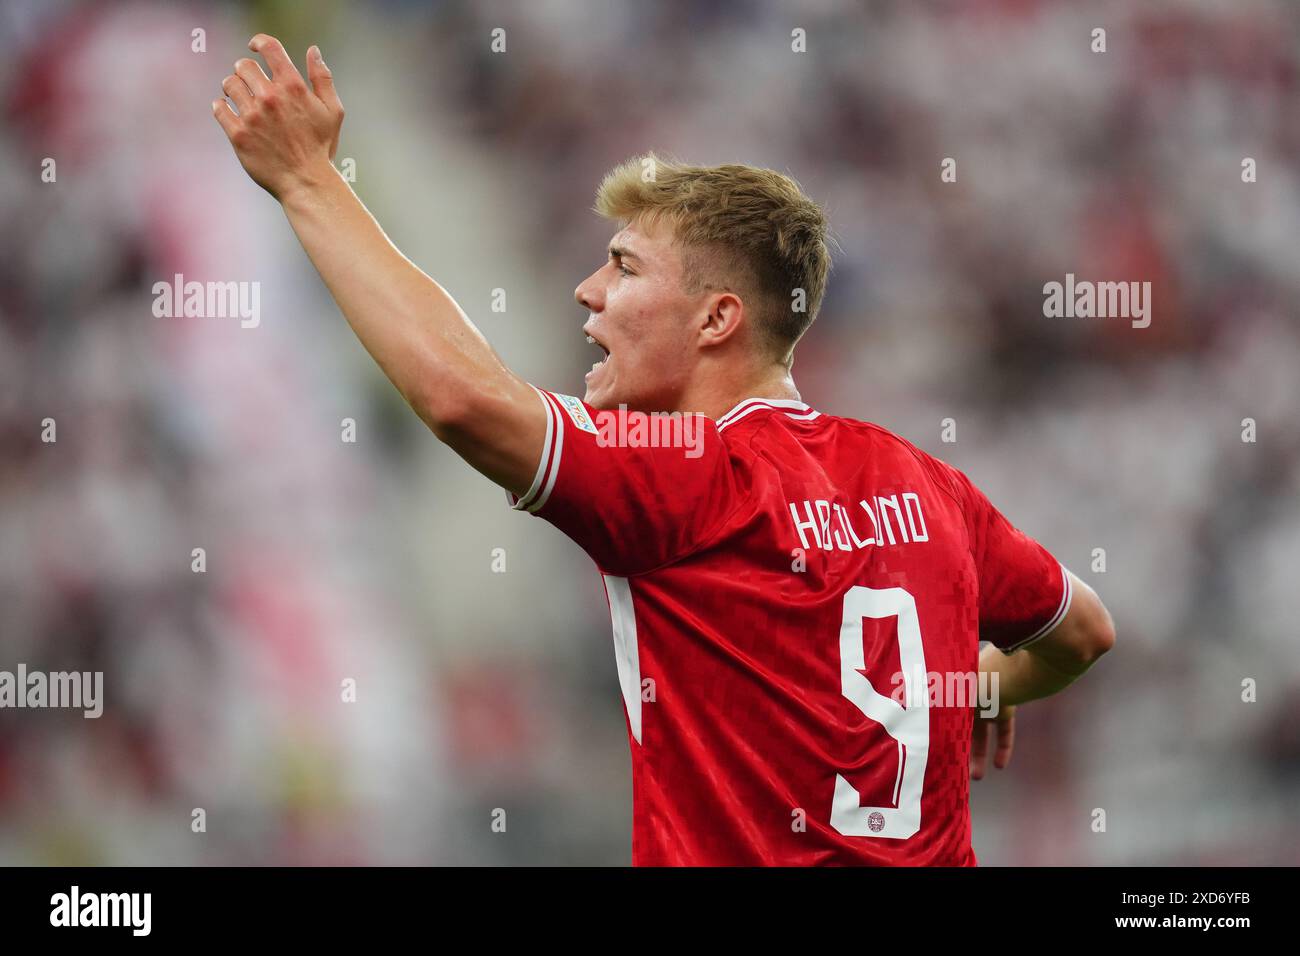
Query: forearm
[1059,658]
[412,327]
[1024,676]
[285,133]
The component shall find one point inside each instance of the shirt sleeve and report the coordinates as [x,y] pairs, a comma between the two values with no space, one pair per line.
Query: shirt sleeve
[633,490]
[1024,592]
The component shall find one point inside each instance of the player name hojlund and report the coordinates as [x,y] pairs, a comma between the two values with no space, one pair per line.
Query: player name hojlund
[208,300]
[831,524]
[1103,300]
[79,690]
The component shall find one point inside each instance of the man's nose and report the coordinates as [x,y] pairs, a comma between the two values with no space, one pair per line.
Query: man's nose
[587,294]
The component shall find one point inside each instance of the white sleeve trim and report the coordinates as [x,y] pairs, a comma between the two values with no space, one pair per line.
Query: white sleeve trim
[1067,595]
[554,436]
[554,470]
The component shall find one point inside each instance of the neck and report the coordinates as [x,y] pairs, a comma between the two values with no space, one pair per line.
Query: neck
[715,399]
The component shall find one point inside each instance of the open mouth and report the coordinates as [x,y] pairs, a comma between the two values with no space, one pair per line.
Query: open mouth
[594,341]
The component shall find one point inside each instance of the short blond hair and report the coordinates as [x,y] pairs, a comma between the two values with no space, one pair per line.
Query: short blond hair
[739,228]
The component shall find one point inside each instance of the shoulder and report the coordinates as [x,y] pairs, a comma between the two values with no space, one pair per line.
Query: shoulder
[760,435]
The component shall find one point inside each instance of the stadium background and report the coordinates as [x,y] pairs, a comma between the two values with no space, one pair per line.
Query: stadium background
[373,560]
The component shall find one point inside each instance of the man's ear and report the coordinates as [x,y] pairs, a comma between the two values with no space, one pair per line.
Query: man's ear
[724,318]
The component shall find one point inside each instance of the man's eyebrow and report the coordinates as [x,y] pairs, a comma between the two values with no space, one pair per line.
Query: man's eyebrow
[618,252]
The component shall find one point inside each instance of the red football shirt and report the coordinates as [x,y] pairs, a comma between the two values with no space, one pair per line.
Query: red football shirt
[784,587]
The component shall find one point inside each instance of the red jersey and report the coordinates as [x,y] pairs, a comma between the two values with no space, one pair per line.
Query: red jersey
[780,583]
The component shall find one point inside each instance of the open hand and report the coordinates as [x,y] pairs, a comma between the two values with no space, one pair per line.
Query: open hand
[285,134]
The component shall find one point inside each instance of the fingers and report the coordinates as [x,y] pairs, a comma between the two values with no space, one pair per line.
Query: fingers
[322,84]
[322,81]
[225,116]
[1006,738]
[978,748]
[272,50]
[238,91]
[252,74]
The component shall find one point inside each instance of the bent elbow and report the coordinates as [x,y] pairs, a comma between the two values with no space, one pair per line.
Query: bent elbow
[1102,637]
[442,403]
[446,416]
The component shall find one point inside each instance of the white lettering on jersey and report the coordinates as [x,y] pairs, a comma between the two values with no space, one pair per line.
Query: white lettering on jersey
[828,525]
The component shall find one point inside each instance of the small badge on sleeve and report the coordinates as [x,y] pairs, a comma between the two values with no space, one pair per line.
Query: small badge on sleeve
[577,411]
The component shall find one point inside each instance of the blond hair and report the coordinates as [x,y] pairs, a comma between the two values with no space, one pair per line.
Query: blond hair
[740,229]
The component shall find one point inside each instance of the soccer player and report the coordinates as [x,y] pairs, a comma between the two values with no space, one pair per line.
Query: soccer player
[783,583]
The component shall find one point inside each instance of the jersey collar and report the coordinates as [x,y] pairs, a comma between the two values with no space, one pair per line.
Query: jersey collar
[791,407]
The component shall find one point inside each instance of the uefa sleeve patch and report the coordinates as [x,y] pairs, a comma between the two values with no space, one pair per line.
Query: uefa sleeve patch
[577,412]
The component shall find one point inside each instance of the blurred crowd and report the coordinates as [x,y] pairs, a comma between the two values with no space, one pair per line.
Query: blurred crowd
[486,693]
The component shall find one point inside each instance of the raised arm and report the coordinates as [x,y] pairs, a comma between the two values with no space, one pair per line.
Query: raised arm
[285,134]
